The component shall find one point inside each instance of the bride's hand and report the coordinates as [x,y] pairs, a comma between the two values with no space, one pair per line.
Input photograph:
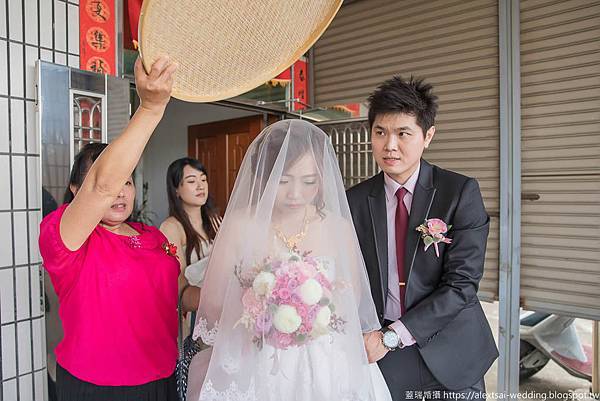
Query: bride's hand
[374,346]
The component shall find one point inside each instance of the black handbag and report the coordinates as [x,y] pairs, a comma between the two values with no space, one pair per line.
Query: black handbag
[188,348]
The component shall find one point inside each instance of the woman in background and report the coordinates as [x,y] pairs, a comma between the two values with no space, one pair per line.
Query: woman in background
[192,225]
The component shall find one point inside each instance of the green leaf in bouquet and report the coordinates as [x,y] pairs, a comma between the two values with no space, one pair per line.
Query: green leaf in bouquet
[428,240]
[324,301]
[300,338]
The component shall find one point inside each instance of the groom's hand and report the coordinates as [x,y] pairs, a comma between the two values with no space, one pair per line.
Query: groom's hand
[374,346]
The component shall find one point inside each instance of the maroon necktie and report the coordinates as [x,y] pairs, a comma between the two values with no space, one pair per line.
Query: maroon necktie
[401,226]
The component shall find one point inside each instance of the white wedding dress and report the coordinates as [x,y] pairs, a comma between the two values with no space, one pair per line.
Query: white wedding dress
[288,196]
[311,371]
[295,374]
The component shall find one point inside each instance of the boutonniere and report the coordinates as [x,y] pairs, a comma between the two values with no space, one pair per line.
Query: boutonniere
[170,249]
[433,231]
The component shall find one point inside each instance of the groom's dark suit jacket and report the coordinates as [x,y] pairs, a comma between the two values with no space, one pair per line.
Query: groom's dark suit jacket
[443,312]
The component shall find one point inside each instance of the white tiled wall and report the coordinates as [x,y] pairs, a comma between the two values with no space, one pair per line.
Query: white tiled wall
[29,30]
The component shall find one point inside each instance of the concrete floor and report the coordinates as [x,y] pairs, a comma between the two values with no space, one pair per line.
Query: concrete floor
[552,379]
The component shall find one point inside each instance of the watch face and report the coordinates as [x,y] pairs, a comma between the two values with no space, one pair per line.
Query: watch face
[390,339]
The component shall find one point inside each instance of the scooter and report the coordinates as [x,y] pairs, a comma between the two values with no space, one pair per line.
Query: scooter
[545,336]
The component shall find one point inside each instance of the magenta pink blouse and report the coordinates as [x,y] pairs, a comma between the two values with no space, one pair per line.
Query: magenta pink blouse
[118,303]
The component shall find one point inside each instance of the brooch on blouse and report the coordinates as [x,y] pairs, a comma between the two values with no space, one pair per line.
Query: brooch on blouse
[170,249]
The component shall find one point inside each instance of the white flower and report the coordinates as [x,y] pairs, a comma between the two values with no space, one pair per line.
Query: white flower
[263,283]
[310,292]
[323,317]
[321,323]
[286,319]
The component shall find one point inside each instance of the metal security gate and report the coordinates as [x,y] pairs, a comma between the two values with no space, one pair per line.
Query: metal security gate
[560,98]
[352,144]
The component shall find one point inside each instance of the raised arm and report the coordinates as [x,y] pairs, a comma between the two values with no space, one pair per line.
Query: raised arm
[112,169]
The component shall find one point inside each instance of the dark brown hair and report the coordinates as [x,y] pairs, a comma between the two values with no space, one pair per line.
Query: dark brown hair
[208,211]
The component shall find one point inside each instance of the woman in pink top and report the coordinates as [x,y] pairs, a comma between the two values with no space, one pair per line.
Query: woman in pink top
[116,281]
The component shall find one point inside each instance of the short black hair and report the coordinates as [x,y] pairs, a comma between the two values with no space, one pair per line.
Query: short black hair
[413,96]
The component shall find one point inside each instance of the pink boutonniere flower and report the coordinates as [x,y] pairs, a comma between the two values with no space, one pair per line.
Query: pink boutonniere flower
[170,249]
[433,231]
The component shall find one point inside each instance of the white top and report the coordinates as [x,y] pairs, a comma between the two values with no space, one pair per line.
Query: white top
[196,270]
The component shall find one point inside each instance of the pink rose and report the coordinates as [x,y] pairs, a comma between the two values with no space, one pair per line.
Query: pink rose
[305,328]
[436,226]
[282,340]
[280,282]
[284,293]
[250,302]
[302,311]
[295,299]
[292,284]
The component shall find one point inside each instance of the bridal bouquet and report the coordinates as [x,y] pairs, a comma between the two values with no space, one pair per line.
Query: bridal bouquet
[287,301]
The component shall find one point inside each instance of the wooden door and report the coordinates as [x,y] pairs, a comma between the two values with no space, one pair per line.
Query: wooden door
[221,147]
[237,145]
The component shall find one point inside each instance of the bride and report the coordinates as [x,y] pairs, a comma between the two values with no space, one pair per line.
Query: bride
[286,297]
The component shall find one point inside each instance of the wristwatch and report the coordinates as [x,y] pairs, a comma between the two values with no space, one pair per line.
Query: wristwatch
[391,340]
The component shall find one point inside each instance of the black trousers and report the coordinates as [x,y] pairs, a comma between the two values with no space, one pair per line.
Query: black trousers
[409,378]
[70,388]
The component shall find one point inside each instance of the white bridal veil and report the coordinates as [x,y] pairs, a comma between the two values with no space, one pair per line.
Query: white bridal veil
[286,297]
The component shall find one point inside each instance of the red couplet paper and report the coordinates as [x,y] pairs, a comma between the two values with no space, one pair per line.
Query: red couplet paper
[97,36]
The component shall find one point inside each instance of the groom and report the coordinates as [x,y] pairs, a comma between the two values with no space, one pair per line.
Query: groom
[435,340]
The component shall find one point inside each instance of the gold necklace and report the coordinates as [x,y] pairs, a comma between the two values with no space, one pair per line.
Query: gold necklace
[292,242]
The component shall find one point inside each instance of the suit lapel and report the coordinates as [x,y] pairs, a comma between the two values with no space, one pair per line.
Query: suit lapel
[419,210]
[378,212]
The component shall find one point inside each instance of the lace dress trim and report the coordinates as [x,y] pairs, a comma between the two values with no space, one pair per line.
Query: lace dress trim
[201,331]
